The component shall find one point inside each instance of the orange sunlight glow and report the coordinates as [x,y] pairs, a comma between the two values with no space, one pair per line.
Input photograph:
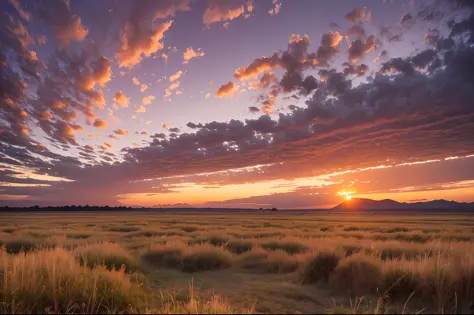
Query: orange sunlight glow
[348,197]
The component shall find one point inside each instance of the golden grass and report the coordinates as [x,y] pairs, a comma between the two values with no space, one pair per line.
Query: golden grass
[188,258]
[53,281]
[110,255]
[426,261]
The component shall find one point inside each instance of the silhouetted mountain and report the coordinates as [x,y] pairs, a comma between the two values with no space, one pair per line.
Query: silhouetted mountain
[388,204]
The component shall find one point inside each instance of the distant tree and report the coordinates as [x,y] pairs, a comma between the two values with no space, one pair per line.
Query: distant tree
[274,209]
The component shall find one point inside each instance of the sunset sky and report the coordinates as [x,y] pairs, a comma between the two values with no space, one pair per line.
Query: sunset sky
[269,103]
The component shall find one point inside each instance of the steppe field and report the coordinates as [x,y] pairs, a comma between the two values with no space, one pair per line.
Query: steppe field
[237,262]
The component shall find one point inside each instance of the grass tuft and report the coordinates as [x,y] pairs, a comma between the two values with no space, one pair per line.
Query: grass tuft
[110,255]
[319,267]
[52,281]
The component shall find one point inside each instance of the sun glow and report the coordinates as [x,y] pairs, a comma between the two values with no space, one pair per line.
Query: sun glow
[346,194]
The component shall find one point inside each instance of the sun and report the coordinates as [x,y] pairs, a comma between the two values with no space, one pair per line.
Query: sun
[348,197]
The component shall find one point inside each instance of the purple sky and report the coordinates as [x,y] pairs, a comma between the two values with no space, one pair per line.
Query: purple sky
[294,104]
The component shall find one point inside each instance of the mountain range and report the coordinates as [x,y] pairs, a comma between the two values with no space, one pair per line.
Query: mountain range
[389,204]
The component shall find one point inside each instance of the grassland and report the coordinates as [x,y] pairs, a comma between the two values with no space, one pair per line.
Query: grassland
[300,262]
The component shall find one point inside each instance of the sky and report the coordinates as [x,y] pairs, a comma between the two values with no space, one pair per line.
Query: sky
[237,104]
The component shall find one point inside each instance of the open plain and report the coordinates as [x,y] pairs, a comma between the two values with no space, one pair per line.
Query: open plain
[235,261]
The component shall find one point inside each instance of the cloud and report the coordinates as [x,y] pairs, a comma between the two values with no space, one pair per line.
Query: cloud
[121,132]
[405,113]
[99,123]
[357,31]
[227,89]
[135,81]
[174,85]
[141,35]
[176,76]
[89,147]
[382,55]
[41,40]
[65,26]
[143,87]
[329,47]
[121,99]
[358,15]
[358,48]
[140,109]
[164,125]
[24,14]
[113,137]
[190,53]
[208,94]
[135,44]
[406,18]
[253,109]
[147,100]
[258,66]
[276,7]
[221,11]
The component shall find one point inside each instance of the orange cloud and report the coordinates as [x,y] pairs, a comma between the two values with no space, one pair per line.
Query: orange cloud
[99,123]
[113,137]
[176,76]
[147,99]
[108,144]
[173,85]
[227,89]
[103,71]
[140,109]
[143,87]
[89,147]
[135,81]
[258,66]
[164,125]
[275,8]
[190,53]
[220,11]
[121,132]
[45,115]
[121,99]
[135,44]
[101,74]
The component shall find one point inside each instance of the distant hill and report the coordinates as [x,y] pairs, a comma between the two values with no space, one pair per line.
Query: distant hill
[389,204]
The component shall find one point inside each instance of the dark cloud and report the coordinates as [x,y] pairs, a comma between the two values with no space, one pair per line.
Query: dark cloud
[358,48]
[357,31]
[64,24]
[358,15]
[253,109]
[406,18]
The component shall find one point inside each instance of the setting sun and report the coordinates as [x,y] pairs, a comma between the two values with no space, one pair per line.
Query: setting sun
[348,197]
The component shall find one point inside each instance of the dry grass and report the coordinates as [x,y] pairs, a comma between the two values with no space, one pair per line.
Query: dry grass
[423,261]
[319,267]
[188,259]
[110,255]
[269,261]
[53,281]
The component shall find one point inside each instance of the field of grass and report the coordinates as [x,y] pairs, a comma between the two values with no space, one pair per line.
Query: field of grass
[237,262]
